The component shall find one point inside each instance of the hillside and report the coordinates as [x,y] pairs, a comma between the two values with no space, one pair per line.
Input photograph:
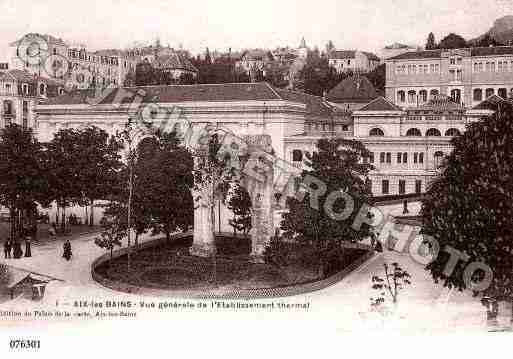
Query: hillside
[501,31]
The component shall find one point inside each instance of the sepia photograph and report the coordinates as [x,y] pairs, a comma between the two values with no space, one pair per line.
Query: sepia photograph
[229,168]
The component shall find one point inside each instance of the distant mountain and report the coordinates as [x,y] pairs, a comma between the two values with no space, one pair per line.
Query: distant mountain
[501,31]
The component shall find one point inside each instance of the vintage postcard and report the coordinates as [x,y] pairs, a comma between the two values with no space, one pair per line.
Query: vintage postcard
[231,169]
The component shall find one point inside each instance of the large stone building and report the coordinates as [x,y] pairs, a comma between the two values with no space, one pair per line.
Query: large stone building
[353,60]
[467,75]
[20,92]
[48,56]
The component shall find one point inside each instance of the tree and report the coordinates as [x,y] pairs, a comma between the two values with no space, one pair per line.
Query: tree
[114,227]
[239,203]
[452,41]
[338,164]
[329,47]
[396,278]
[431,43]
[64,164]
[317,76]
[23,175]
[469,207]
[487,41]
[167,179]
[98,166]
[378,77]
[144,74]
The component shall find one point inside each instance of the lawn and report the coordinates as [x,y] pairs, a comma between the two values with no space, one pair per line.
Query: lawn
[169,266]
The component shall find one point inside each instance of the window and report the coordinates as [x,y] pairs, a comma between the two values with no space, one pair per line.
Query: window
[423,95]
[478,95]
[401,96]
[452,61]
[42,89]
[459,75]
[61,91]
[376,132]
[55,51]
[433,93]
[25,107]
[421,157]
[402,186]
[368,185]
[413,132]
[25,89]
[433,132]
[437,68]
[432,68]
[418,186]
[345,128]
[456,95]
[452,132]
[412,96]
[439,155]
[489,92]
[384,186]
[389,157]
[405,157]
[502,92]
[415,157]
[25,123]
[476,67]
[492,66]
[297,155]
[382,157]
[371,157]
[8,110]
[7,87]
[399,157]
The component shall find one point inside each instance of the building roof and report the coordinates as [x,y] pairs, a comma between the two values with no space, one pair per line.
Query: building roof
[25,76]
[491,103]
[260,91]
[440,103]
[315,105]
[351,54]
[49,38]
[397,45]
[474,51]
[380,104]
[353,89]
[175,61]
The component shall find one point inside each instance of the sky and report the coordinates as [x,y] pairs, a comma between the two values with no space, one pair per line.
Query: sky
[221,24]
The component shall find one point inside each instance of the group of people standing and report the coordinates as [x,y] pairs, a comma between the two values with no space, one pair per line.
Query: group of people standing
[15,247]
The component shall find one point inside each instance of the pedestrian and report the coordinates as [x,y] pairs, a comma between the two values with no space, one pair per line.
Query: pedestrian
[67,250]
[52,230]
[16,248]
[28,251]
[7,248]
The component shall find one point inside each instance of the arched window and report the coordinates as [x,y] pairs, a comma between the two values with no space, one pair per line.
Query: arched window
[401,96]
[456,95]
[376,132]
[478,95]
[502,92]
[439,156]
[42,89]
[452,132]
[489,92]
[423,95]
[433,132]
[433,93]
[297,156]
[413,132]
[412,96]
[8,110]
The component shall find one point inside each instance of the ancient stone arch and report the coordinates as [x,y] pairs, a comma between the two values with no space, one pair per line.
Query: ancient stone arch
[252,156]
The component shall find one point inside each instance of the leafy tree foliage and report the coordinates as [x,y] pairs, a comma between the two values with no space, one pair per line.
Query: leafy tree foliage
[469,207]
[23,173]
[317,77]
[338,164]
[378,78]
[396,279]
[431,43]
[114,224]
[239,203]
[487,41]
[452,41]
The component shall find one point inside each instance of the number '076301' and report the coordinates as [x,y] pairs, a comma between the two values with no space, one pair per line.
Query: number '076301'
[22,344]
